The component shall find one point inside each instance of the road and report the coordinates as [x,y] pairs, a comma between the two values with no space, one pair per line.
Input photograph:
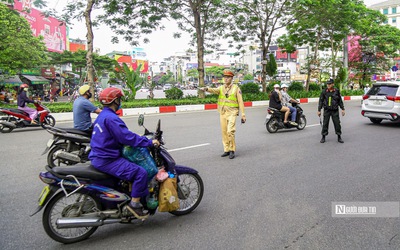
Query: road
[276,194]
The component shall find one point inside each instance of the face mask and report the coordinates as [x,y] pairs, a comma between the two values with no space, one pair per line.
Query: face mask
[89,95]
[26,89]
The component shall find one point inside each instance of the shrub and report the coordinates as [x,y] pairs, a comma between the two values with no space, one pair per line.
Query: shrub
[314,87]
[296,86]
[250,88]
[174,93]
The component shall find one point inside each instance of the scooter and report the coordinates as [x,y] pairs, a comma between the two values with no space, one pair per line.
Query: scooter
[275,118]
[68,146]
[16,118]
[78,199]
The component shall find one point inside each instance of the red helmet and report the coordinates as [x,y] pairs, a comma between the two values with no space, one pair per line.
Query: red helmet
[24,85]
[108,95]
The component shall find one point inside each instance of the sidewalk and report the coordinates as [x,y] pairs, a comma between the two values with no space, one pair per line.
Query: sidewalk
[183,108]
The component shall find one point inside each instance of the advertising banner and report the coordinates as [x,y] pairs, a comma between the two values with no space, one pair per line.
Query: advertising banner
[52,30]
[143,65]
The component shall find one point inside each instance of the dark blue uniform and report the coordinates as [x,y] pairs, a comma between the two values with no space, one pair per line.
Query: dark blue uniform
[109,136]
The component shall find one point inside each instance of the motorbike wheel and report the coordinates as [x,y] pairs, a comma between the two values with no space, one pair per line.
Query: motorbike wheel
[48,121]
[52,161]
[5,129]
[190,193]
[272,125]
[302,122]
[75,206]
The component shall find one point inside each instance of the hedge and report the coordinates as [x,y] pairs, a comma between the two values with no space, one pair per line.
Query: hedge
[60,107]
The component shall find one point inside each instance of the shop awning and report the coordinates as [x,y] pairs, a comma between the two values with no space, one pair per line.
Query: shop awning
[36,79]
[10,80]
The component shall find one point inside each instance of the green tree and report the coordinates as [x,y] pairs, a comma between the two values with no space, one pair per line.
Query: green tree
[200,18]
[271,67]
[322,25]
[378,46]
[19,49]
[261,19]
[102,64]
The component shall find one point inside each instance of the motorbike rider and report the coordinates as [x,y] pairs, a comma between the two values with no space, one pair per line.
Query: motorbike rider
[110,134]
[275,101]
[23,99]
[82,108]
[286,100]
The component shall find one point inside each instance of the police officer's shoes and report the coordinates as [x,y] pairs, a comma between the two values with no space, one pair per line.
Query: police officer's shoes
[322,139]
[231,154]
[339,139]
[225,154]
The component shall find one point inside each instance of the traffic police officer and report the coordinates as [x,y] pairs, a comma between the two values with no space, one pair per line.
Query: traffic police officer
[229,102]
[331,100]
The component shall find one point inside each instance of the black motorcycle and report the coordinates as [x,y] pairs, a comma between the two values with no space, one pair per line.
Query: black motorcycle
[68,146]
[275,118]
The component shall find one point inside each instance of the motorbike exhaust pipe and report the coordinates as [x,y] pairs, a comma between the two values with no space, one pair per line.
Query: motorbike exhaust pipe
[83,222]
[67,156]
[8,124]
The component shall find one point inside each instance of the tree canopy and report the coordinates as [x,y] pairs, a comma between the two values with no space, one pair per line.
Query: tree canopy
[19,49]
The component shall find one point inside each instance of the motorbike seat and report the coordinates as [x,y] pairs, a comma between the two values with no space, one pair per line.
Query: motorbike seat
[76,131]
[82,170]
[18,111]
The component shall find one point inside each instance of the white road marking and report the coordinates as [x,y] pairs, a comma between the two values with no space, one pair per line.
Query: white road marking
[313,125]
[194,146]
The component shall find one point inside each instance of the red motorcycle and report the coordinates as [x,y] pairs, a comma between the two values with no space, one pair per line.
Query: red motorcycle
[16,118]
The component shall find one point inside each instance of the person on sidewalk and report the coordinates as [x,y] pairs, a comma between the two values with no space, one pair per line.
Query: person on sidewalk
[23,99]
[110,135]
[286,101]
[330,99]
[230,101]
[81,110]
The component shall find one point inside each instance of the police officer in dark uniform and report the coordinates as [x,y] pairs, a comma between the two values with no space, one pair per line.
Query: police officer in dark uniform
[331,100]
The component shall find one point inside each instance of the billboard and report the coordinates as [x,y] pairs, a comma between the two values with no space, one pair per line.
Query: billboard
[52,30]
[143,65]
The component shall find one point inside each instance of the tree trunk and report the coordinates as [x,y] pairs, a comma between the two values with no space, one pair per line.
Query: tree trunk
[89,54]
[200,51]
[313,60]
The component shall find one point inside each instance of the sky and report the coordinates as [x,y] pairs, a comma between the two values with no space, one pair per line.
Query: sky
[162,44]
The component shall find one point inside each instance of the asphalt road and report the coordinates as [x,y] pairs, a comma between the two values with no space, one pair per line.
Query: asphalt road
[276,194]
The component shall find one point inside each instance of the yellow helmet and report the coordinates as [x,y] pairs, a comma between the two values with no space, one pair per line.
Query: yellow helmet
[84,89]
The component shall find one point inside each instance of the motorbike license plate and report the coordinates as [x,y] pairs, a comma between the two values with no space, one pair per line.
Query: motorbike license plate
[43,195]
[50,143]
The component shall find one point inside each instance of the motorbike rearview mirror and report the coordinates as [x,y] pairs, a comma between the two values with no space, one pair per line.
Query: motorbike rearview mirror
[141,120]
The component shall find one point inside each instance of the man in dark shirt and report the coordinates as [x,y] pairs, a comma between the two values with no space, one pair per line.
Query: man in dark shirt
[330,99]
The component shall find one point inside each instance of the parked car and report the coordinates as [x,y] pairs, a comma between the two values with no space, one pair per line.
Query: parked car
[167,86]
[382,102]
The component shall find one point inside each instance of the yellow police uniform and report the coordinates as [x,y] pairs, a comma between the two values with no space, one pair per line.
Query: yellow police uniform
[228,108]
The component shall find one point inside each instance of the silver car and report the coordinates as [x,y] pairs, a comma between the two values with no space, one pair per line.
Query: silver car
[382,102]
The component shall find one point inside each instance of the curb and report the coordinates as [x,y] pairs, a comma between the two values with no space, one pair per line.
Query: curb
[184,108]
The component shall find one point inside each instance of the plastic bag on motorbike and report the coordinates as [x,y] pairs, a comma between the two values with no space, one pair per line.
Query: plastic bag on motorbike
[168,200]
[141,156]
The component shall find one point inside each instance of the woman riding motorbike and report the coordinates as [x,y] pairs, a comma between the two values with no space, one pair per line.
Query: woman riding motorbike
[23,99]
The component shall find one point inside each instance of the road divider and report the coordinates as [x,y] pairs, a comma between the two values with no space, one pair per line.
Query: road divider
[183,108]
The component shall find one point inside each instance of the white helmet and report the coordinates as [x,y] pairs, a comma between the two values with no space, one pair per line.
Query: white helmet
[284,86]
[277,86]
